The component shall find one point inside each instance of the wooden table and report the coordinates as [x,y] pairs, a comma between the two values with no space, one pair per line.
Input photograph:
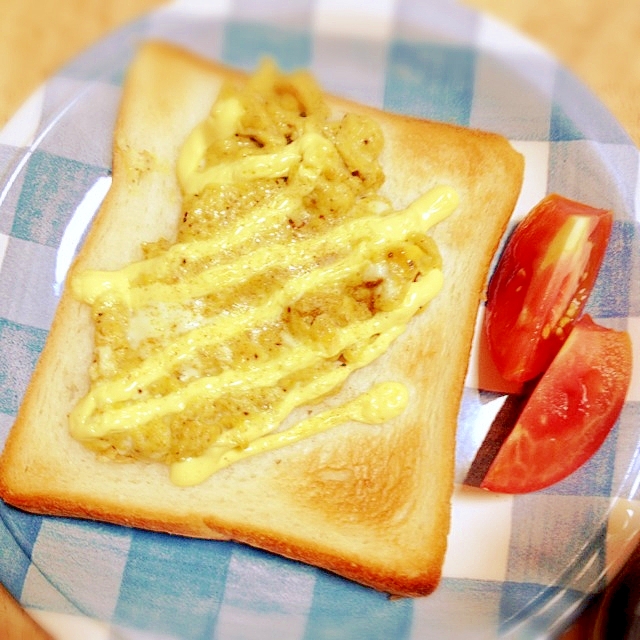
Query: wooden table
[599,40]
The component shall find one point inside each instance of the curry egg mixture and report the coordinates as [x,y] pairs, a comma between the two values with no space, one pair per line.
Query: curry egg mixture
[289,272]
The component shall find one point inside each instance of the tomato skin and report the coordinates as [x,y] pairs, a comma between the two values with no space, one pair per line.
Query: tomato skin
[569,414]
[542,282]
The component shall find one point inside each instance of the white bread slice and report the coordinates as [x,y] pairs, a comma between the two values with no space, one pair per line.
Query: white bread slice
[371,503]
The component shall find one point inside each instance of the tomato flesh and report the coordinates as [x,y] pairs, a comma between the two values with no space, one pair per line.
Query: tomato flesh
[569,414]
[541,284]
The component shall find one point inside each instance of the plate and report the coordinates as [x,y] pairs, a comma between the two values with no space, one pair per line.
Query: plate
[516,566]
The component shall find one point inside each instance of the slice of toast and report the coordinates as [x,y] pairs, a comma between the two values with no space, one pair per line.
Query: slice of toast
[369,502]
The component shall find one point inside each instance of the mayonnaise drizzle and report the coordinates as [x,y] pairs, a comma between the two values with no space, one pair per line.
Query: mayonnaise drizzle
[124,402]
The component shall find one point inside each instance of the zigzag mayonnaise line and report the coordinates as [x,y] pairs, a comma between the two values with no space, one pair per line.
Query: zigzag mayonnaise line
[341,256]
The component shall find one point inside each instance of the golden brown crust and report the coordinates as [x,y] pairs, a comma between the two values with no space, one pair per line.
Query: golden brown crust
[371,503]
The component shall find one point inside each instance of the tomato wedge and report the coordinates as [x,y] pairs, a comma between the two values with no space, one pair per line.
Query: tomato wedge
[541,283]
[569,414]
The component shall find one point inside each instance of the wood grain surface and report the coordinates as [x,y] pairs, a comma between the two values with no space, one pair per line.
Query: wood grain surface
[599,40]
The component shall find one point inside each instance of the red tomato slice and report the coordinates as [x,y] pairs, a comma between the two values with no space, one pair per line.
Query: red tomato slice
[569,413]
[542,282]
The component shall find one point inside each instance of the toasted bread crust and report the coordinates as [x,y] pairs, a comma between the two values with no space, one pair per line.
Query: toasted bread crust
[371,503]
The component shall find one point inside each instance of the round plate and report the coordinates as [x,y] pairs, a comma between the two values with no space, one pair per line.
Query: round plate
[516,565]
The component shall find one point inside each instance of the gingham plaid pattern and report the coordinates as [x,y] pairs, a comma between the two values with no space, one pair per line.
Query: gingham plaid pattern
[516,566]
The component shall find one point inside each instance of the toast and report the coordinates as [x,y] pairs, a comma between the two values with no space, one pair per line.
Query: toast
[368,502]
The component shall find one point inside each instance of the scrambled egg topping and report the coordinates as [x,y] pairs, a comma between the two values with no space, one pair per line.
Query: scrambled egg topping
[289,271]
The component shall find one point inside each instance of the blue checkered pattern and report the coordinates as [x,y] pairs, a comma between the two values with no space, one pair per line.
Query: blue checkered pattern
[517,566]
